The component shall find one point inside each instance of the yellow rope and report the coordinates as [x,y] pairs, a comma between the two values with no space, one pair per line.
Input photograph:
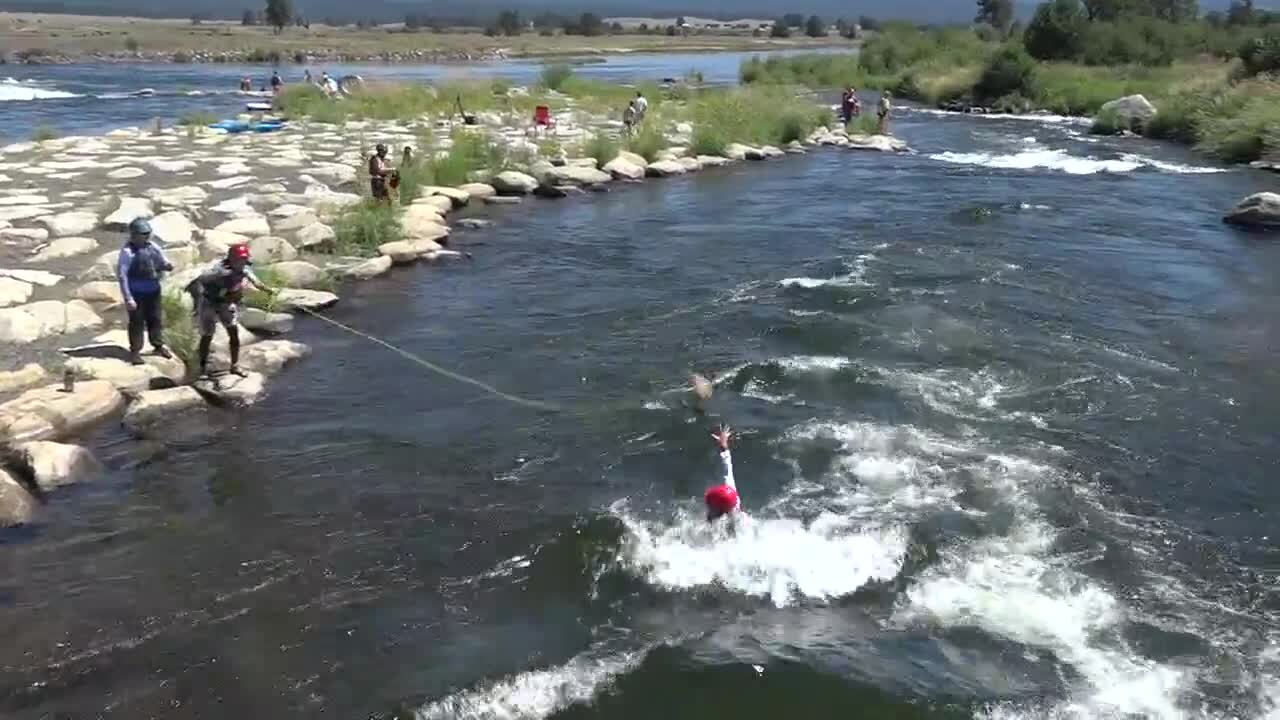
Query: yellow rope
[535,404]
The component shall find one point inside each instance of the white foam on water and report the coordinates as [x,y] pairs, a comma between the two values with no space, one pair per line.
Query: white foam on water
[783,559]
[854,278]
[813,363]
[11,89]
[1048,118]
[1064,161]
[536,694]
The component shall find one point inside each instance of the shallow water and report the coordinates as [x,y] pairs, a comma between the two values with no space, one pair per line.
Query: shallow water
[1006,438]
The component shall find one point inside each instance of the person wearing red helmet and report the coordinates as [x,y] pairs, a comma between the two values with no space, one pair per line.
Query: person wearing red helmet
[217,294]
[723,498]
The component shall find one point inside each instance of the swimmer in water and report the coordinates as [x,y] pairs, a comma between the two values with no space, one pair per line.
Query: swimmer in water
[723,498]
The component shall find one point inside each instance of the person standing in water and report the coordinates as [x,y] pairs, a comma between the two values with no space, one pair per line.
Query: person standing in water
[277,84]
[141,266]
[217,294]
[886,105]
[723,498]
[641,104]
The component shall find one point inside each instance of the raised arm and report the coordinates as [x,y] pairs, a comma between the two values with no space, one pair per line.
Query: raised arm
[723,437]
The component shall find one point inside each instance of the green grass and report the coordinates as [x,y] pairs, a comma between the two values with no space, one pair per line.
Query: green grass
[865,124]
[44,132]
[554,77]
[758,115]
[400,102]
[471,152]
[361,228]
[601,147]
[180,332]
[198,119]
[647,141]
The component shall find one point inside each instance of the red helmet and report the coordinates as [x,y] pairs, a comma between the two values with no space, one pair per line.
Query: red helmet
[721,500]
[238,252]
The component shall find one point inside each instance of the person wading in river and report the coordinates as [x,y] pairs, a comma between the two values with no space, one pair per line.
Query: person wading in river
[379,173]
[886,105]
[140,268]
[217,294]
[723,498]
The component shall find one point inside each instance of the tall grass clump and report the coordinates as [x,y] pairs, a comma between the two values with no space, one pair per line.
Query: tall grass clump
[756,115]
[180,332]
[647,141]
[601,147]
[361,228]
[44,132]
[554,77]
[201,118]
[470,152]
[1244,132]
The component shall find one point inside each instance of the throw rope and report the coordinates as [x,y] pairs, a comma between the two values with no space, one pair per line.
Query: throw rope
[459,377]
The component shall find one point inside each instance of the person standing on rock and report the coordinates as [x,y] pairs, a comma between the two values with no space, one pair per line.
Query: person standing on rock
[379,173]
[642,107]
[141,267]
[217,294]
[886,105]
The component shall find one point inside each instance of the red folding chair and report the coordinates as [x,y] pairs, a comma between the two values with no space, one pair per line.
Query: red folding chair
[542,117]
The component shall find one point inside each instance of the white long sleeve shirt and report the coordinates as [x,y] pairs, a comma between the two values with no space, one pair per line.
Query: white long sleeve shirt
[726,468]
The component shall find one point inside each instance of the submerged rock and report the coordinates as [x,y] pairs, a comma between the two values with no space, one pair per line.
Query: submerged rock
[156,406]
[1258,210]
[22,378]
[51,465]
[49,413]
[17,505]
[294,299]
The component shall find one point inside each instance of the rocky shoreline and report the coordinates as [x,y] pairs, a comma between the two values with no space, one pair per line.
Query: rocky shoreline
[246,56]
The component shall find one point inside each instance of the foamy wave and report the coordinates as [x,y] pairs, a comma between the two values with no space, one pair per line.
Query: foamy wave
[779,558]
[536,694]
[11,89]
[853,278]
[1063,161]
[1028,117]
[813,363]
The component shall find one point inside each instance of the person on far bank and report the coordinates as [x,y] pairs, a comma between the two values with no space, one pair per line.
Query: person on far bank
[277,84]
[217,295]
[140,268]
[886,105]
[379,173]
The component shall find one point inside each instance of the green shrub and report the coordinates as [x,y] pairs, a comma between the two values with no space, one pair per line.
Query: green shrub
[555,76]
[1056,31]
[1243,135]
[1261,54]
[1108,123]
[180,332]
[865,124]
[1010,72]
[361,228]
[471,152]
[647,141]
[131,44]
[44,132]
[601,147]
[201,118]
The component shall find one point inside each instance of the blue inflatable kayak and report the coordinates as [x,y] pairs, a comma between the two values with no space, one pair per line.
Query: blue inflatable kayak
[239,126]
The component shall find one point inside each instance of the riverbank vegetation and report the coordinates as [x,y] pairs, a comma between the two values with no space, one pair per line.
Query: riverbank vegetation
[1212,79]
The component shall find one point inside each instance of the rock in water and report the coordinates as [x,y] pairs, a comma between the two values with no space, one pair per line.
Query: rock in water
[17,506]
[479,191]
[293,299]
[624,169]
[232,390]
[370,268]
[514,183]
[457,196]
[270,356]
[1258,210]
[701,387]
[1132,111]
[881,143]
[70,223]
[403,252]
[665,168]
[51,465]
[156,406]
[262,321]
[48,413]
[299,274]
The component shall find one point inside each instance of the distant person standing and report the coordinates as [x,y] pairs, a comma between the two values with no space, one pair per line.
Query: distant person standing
[850,108]
[886,106]
[641,105]
[379,172]
[140,268]
[629,117]
[276,83]
[308,78]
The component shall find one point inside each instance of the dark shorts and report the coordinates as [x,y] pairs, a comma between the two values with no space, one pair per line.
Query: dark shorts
[378,188]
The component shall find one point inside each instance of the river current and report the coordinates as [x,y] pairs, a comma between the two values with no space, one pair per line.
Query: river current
[1006,415]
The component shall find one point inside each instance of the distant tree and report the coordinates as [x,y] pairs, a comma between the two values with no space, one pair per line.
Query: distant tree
[793,20]
[248,18]
[671,31]
[300,21]
[590,24]
[278,13]
[814,27]
[680,22]
[869,23]
[1056,32]
[644,27]
[508,23]
[780,29]
[996,13]
[546,23]
[616,28]
[1240,12]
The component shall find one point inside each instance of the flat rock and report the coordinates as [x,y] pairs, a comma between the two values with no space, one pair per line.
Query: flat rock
[511,182]
[630,157]
[580,175]
[335,174]
[879,143]
[553,191]
[316,235]
[64,248]
[172,228]
[22,212]
[126,173]
[22,378]
[270,356]
[14,292]
[128,210]
[227,183]
[368,269]
[31,322]
[52,465]
[48,413]
[184,196]
[736,151]
[690,164]
[295,221]
[474,223]
[403,252]
[1258,210]
[17,505]
[478,191]
[8,200]
[249,226]
[156,406]
[24,235]
[770,151]
[232,390]
[299,274]
[503,200]
[70,223]
[665,168]
[268,249]
[216,242]
[295,299]
[234,206]
[457,196]
[439,202]
[103,292]
[35,277]
[268,322]
[153,374]
[624,169]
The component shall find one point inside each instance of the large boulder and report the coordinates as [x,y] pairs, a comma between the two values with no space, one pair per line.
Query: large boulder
[291,299]
[159,406]
[403,252]
[367,269]
[48,413]
[1132,111]
[439,202]
[22,378]
[478,191]
[736,151]
[70,223]
[172,228]
[51,465]
[299,274]
[64,248]
[129,209]
[216,242]
[269,356]
[511,182]
[1258,210]
[14,292]
[457,196]
[268,249]
[102,292]
[633,158]
[28,323]
[665,168]
[879,143]
[316,235]
[294,222]
[185,196]
[154,373]
[690,164]
[713,161]
[623,169]
[259,320]
[17,506]
[579,175]
[232,390]
[250,226]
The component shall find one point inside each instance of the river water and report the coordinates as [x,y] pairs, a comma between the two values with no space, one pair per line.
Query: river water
[1006,441]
